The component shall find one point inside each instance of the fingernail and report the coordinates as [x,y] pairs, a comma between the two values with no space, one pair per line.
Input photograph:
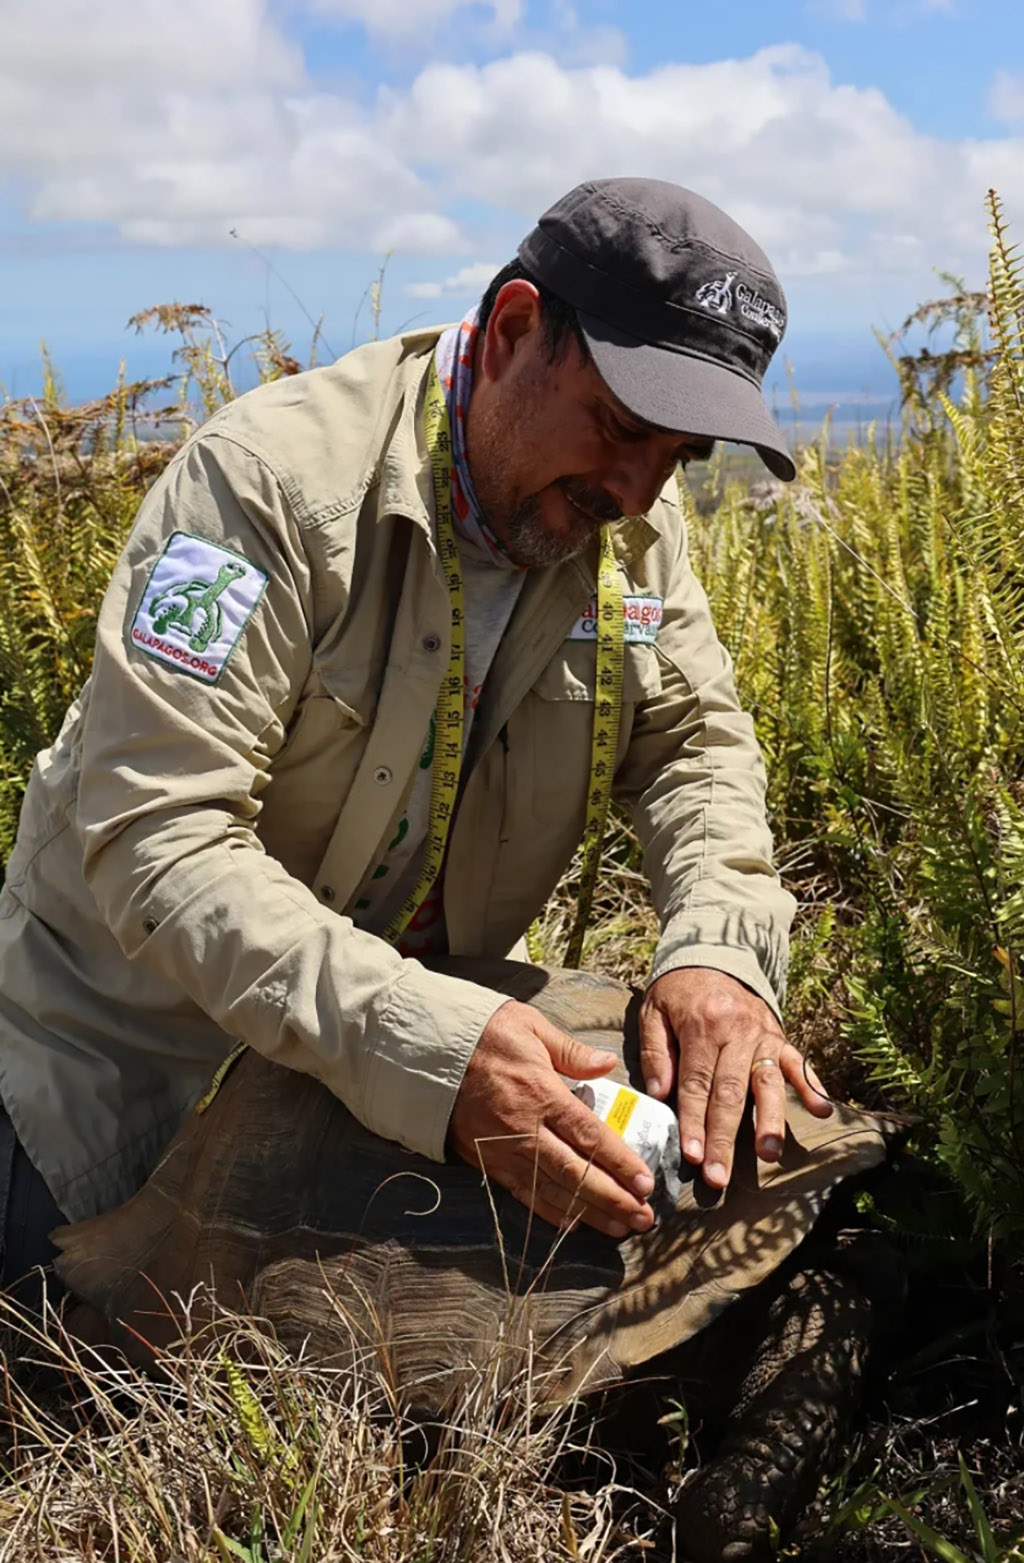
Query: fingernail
[641,1221]
[616,1229]
[601,1060]
[716,1173]
[652,1086]
[693,1150]
[643,1183]
[771,1148]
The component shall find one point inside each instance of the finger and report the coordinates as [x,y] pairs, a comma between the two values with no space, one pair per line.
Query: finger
[580,1196]
[570,1057]
[697,1063]
[560,1209]
[727,1100]
[579,1176]
[768,1084]
[805,1081]
[657,1053]
[584,1134]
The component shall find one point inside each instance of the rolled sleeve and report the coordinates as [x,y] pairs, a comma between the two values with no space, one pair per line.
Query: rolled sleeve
[418,1063]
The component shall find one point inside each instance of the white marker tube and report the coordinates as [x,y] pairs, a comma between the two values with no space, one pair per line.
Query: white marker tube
[647,1126]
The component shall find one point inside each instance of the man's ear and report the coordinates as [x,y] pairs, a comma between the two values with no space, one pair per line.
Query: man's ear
[515,317]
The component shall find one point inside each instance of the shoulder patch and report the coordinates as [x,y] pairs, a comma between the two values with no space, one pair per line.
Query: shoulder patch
[196,603]
[642,615]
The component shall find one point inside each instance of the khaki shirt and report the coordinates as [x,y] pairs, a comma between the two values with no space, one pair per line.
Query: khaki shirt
[189,852]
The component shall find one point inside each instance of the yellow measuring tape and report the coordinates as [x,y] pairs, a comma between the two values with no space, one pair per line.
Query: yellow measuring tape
[611,634]
[449,712]
[448,717]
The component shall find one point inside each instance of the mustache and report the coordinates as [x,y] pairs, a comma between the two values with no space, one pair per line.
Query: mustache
[595,502]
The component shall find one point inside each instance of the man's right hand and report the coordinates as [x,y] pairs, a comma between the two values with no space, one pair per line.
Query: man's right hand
[516,1118]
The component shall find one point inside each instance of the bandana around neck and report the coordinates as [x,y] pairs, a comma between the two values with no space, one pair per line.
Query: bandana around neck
[455,350]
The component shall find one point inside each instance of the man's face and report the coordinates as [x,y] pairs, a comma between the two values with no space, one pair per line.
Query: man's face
[552,453]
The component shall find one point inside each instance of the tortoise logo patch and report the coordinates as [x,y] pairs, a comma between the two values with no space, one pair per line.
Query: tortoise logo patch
[197,601]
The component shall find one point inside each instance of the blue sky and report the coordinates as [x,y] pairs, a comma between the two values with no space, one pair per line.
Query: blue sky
[854,138]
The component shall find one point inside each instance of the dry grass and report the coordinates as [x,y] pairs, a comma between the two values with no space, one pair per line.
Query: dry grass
[241,1451]
[622,934]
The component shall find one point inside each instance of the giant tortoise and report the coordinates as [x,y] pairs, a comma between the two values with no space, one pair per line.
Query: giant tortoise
[282,1200]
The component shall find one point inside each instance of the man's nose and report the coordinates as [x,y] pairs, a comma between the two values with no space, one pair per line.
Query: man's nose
[635,478]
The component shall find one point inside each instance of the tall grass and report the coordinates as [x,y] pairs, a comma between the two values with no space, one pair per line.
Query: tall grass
[241,1451]
[876,615]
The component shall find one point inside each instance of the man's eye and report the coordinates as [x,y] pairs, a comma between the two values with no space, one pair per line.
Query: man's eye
[627,436]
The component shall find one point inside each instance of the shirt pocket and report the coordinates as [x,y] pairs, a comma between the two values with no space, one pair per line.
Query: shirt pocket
[572,674]
[549,744]
[310,777]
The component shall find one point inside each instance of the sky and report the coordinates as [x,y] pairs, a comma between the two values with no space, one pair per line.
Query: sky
[266,157]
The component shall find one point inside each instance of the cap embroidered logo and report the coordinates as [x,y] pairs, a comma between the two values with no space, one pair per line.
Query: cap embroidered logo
[717,296]
[754,306]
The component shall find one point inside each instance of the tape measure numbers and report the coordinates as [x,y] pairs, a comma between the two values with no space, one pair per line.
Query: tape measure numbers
[444,777]
[611,636]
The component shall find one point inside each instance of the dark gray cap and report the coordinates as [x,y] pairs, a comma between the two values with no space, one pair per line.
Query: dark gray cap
[680,308]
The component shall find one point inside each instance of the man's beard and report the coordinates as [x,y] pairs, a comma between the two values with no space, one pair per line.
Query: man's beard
[531,545]
[518,526]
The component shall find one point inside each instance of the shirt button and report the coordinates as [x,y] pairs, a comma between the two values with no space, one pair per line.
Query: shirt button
[327,892]
[431,643]
[382,775]
[150,925]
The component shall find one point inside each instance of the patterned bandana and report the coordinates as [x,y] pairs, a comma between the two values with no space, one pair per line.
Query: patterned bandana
[455,351]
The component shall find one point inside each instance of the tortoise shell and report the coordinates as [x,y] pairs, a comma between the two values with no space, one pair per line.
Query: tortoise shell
[348,1244]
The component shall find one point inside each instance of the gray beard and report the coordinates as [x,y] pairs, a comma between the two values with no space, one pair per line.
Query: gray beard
[530,546]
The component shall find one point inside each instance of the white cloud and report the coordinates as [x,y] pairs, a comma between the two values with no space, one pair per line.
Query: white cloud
[398,18]
[186,44]
[424,232]
[468,279]
[172,124]
[829,177]
[1006,97]
[176,123]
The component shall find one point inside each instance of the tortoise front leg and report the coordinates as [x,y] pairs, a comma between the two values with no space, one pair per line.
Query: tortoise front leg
[792,1414]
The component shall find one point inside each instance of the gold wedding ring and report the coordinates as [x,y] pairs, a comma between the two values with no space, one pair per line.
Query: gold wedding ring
[764,1063]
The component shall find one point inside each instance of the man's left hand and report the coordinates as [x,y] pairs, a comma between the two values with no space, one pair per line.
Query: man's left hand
[707,1039]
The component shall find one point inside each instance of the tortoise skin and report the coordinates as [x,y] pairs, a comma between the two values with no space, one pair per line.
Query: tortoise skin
[278,1196]
[788,1417]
